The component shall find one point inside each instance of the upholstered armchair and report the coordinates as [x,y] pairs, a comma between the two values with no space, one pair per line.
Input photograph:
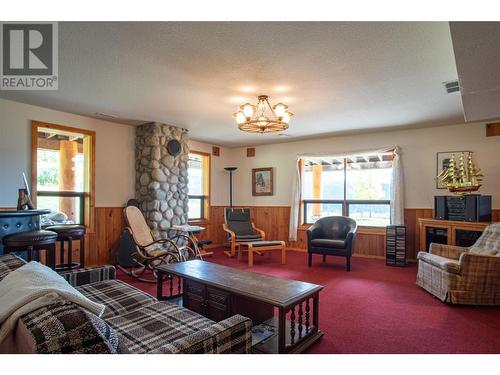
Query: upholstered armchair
[463,275]
[332,235]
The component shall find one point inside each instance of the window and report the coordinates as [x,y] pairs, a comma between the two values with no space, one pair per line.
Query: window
[356,186]
[198,185]
[61,172]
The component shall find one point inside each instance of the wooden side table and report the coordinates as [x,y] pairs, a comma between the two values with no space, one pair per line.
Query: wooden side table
[191,231]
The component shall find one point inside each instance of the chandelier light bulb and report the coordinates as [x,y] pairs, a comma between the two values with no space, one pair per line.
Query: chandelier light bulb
[240,117]
[286,117]
[248,110]
[280,109]
[263,121]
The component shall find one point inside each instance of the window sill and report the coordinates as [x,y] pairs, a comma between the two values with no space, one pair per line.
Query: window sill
[361,229]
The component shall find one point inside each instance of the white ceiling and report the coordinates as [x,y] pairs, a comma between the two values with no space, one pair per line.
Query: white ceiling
[477,54]
[336,77]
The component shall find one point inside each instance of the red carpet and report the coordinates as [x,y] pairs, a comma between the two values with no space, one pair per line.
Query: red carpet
[378,309]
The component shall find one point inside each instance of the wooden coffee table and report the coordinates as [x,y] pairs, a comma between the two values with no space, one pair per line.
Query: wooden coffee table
[218,292]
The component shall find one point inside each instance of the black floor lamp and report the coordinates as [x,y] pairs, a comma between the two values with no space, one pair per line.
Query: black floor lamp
[230,170]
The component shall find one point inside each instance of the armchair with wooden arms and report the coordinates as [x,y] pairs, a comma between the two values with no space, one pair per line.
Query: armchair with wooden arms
[463,275]
[240,228]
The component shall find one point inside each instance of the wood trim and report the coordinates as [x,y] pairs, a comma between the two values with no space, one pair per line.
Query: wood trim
[274,220]
[207,182]
[35,125]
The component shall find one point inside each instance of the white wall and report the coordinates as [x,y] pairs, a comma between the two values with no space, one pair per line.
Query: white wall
[114,152]
[115,169]
[419,148]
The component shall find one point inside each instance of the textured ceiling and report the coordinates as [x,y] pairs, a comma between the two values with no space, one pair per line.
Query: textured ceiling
[477,53]
[336,77]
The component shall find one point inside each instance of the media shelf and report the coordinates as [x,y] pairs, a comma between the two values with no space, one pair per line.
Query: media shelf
[449,232]
[395,245]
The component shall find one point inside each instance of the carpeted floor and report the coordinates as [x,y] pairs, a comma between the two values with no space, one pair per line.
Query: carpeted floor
[378,309]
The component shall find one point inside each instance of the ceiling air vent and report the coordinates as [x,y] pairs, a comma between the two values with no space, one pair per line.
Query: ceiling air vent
[100,114]
[451,86]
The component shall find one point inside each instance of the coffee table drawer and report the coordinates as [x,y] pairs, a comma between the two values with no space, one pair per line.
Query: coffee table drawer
[218,304]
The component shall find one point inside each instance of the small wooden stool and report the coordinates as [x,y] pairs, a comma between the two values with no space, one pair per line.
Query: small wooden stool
[70,232]
[260,246]
[32,241]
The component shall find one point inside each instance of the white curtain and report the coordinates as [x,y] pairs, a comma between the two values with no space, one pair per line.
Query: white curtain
[397,188]
[295,209]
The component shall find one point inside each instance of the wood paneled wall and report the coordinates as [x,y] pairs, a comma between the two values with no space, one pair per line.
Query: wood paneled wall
[101,245]
[274,220]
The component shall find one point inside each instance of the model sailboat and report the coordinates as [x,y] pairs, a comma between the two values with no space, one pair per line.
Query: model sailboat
[460,178]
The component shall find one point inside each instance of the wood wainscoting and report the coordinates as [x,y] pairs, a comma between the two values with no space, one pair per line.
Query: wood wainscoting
[274,220]
[101,245]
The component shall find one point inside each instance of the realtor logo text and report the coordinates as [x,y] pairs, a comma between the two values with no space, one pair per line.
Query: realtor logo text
[29,58]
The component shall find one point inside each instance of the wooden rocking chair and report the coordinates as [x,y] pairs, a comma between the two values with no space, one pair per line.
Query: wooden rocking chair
[150,253]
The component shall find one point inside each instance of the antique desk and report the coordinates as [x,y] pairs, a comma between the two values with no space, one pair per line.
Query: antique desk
[218,292]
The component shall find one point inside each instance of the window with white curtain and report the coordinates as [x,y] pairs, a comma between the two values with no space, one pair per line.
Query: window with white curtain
[358,186]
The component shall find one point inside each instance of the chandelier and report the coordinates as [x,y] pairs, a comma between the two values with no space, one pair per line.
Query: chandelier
[262,118]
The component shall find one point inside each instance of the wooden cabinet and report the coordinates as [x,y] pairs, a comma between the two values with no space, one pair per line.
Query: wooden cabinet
[213,303]
[457,233]
[217,304]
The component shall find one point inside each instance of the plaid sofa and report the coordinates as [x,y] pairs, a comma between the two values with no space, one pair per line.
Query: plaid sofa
[463,275]
[133,322]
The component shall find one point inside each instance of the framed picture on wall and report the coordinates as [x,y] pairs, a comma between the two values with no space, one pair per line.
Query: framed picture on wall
[443,162]
[262,181]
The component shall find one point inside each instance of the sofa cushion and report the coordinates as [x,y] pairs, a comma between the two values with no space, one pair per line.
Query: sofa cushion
[118,296]
[248,237]
[64,327]
[482,251]
[446,264]
[329,243]
[83,276]
[150,327]
[9,263]
[489,242]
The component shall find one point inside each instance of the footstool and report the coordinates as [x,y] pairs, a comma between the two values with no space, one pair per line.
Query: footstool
[260,246]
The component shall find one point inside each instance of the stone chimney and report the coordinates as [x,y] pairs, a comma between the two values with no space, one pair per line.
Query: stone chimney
[161,179]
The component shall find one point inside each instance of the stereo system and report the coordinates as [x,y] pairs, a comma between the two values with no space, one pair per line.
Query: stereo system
[463,208]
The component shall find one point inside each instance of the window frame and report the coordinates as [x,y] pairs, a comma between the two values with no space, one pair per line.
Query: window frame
[204,199]
[344,202]
[87,197]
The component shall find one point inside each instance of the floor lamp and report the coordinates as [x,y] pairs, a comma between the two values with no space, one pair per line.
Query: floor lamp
[230,170]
